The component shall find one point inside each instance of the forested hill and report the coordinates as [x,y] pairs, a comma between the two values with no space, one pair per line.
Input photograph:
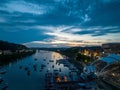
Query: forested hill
[4,45]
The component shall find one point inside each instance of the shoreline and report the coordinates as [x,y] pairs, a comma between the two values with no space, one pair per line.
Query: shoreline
[5,59]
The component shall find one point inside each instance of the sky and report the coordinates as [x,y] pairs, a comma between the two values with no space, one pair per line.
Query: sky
[60,23]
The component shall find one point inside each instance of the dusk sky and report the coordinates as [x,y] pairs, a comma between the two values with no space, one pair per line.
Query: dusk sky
[60,23]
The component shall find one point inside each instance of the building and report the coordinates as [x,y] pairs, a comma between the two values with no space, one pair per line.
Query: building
[110,48]
[0,52]
[107,69]
[104,62]
[6,52]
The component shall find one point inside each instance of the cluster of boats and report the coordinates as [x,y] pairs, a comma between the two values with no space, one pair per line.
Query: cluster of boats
[3,84]
[49,85]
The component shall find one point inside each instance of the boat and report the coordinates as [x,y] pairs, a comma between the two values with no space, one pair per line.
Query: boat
[48,81]
[51,60]
[5,87]
[42,65]
[1,80]
[52,66]
[20,67]
[56,72]
[66,65]
[3,72]
[26,68]
[44,59]
[48,75]
[59,69]
[35,59]
[48,69]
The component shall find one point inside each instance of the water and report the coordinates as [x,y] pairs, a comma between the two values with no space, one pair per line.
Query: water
[26,74]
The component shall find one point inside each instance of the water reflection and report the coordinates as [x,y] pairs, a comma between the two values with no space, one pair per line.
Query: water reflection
[28,73]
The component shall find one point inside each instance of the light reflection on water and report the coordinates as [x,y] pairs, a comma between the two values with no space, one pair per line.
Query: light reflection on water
[26,74]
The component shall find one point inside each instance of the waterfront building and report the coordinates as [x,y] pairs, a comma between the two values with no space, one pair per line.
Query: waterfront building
[6,52]
[107,69]
[110,48]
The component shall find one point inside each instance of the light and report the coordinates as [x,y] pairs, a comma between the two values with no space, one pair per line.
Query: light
[113,74]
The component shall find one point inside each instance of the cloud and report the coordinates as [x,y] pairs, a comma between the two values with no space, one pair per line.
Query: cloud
[24,7]
[60,22]
[109,1]
[99,30]
[2,20]
[69,34]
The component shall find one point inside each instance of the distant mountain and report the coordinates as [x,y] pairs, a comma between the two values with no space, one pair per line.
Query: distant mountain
[4,45]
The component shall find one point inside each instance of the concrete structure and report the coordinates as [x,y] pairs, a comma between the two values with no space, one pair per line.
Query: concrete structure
[110,48]
[104,62]
[107,69]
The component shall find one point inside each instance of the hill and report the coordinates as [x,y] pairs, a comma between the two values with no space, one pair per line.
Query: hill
[4,45]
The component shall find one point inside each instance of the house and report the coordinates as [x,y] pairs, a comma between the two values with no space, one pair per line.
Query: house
[6,52]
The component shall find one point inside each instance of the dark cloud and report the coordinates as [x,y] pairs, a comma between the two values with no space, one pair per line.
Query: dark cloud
[99,31]
[22,36]
[105,14]
[69,12]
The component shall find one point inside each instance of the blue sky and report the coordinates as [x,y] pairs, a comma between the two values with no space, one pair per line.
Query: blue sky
[60,23]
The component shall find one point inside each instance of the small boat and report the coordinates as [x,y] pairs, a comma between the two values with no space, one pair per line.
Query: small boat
[35,59]
[1,80]
[48,75]
[51,60]
[59,69]
[42,65]
[35,65]
[5,87]
[3,72]
[56,72]
[20,67]
[66,65]
[40,70]
[52,66]
[26,68]
[28,72]
[44,59]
